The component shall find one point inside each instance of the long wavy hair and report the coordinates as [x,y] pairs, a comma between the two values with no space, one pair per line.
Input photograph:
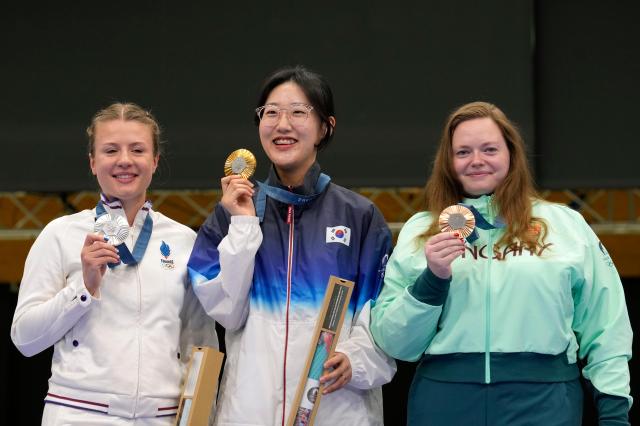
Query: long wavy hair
[514,195]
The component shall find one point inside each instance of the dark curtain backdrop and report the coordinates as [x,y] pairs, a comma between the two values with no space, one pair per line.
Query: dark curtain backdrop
[397,70]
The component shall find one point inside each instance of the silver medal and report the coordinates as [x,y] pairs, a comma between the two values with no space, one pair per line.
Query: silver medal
[114,228]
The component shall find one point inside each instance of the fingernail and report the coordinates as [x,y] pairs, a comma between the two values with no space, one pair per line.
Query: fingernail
[456,234]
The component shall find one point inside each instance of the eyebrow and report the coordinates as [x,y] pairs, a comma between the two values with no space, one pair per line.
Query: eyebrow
[481,144]
[111,144]
[292,103]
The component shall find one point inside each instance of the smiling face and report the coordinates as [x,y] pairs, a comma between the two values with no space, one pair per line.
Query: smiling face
[480,156]
[123,161]
[291,148]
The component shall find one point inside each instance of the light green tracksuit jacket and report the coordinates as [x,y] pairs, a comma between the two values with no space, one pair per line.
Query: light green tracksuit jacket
[528,317]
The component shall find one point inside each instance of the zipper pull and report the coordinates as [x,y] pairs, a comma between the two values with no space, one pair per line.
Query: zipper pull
[290,214]
[290,209]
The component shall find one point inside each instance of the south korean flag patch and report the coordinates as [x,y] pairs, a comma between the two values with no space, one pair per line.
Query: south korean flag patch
[338,234]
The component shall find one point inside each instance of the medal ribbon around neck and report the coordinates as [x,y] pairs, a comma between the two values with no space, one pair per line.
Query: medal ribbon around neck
[287,197]
[481,222]
[142,242]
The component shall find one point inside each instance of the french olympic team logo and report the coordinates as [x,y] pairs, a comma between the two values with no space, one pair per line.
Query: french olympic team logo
[338,234]
[165,260]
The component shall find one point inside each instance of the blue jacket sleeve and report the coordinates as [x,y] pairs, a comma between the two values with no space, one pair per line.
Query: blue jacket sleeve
[371,367]
[204,263]
[376,246]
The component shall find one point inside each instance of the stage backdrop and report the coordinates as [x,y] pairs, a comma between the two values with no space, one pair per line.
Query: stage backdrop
[564,71]
[397,70]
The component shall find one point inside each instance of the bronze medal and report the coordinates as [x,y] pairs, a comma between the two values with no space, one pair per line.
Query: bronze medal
[240,162]
[457,218]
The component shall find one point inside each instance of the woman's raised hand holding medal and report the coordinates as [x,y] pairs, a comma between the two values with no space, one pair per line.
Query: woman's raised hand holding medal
[456,223]
[237,189]
[96,253]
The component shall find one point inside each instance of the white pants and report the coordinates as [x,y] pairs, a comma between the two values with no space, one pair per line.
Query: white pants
[59,415]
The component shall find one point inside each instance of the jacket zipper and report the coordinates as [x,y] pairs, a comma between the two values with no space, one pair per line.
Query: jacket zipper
[135,408]
[487,352]
[290,222]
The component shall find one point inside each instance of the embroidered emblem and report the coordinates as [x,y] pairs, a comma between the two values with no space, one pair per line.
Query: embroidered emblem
[165,260]
[383,267]
[535,228]
[338,234]
[605,254]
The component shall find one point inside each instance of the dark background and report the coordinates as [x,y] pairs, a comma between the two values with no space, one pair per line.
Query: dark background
[565,71]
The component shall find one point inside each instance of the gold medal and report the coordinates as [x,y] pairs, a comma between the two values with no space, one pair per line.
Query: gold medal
[115,228]
[457,218]
[240,162]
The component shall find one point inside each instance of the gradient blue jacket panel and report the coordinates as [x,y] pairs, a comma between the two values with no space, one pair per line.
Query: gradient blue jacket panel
[339,233]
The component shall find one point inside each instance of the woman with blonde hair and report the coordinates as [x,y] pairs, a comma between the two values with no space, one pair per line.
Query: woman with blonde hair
[499,314]
[108,289]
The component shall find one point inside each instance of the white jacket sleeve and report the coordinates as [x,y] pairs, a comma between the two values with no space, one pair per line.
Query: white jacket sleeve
[51,299]
[370,366]
[221,267]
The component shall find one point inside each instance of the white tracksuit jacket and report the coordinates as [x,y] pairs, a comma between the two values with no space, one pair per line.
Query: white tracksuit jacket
[123,352]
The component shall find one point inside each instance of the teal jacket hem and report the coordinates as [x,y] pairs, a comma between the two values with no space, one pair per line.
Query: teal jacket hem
[505,367]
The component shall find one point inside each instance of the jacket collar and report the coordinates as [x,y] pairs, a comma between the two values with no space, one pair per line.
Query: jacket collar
[308,185]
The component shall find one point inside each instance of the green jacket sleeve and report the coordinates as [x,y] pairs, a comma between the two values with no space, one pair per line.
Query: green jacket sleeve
[602,327]
[402,325]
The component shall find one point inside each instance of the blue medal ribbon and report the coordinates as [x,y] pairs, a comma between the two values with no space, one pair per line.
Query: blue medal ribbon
[142,242]
[287,197]
[481,222]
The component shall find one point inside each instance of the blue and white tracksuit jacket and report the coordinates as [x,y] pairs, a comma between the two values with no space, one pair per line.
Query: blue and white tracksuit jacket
[265,283]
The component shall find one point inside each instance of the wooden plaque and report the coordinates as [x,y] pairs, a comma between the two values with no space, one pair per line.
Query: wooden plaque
[325,338]
[200,387]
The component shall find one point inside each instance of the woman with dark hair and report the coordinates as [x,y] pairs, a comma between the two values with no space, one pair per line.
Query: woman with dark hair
[263,258]
[108,289]
[500,321]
